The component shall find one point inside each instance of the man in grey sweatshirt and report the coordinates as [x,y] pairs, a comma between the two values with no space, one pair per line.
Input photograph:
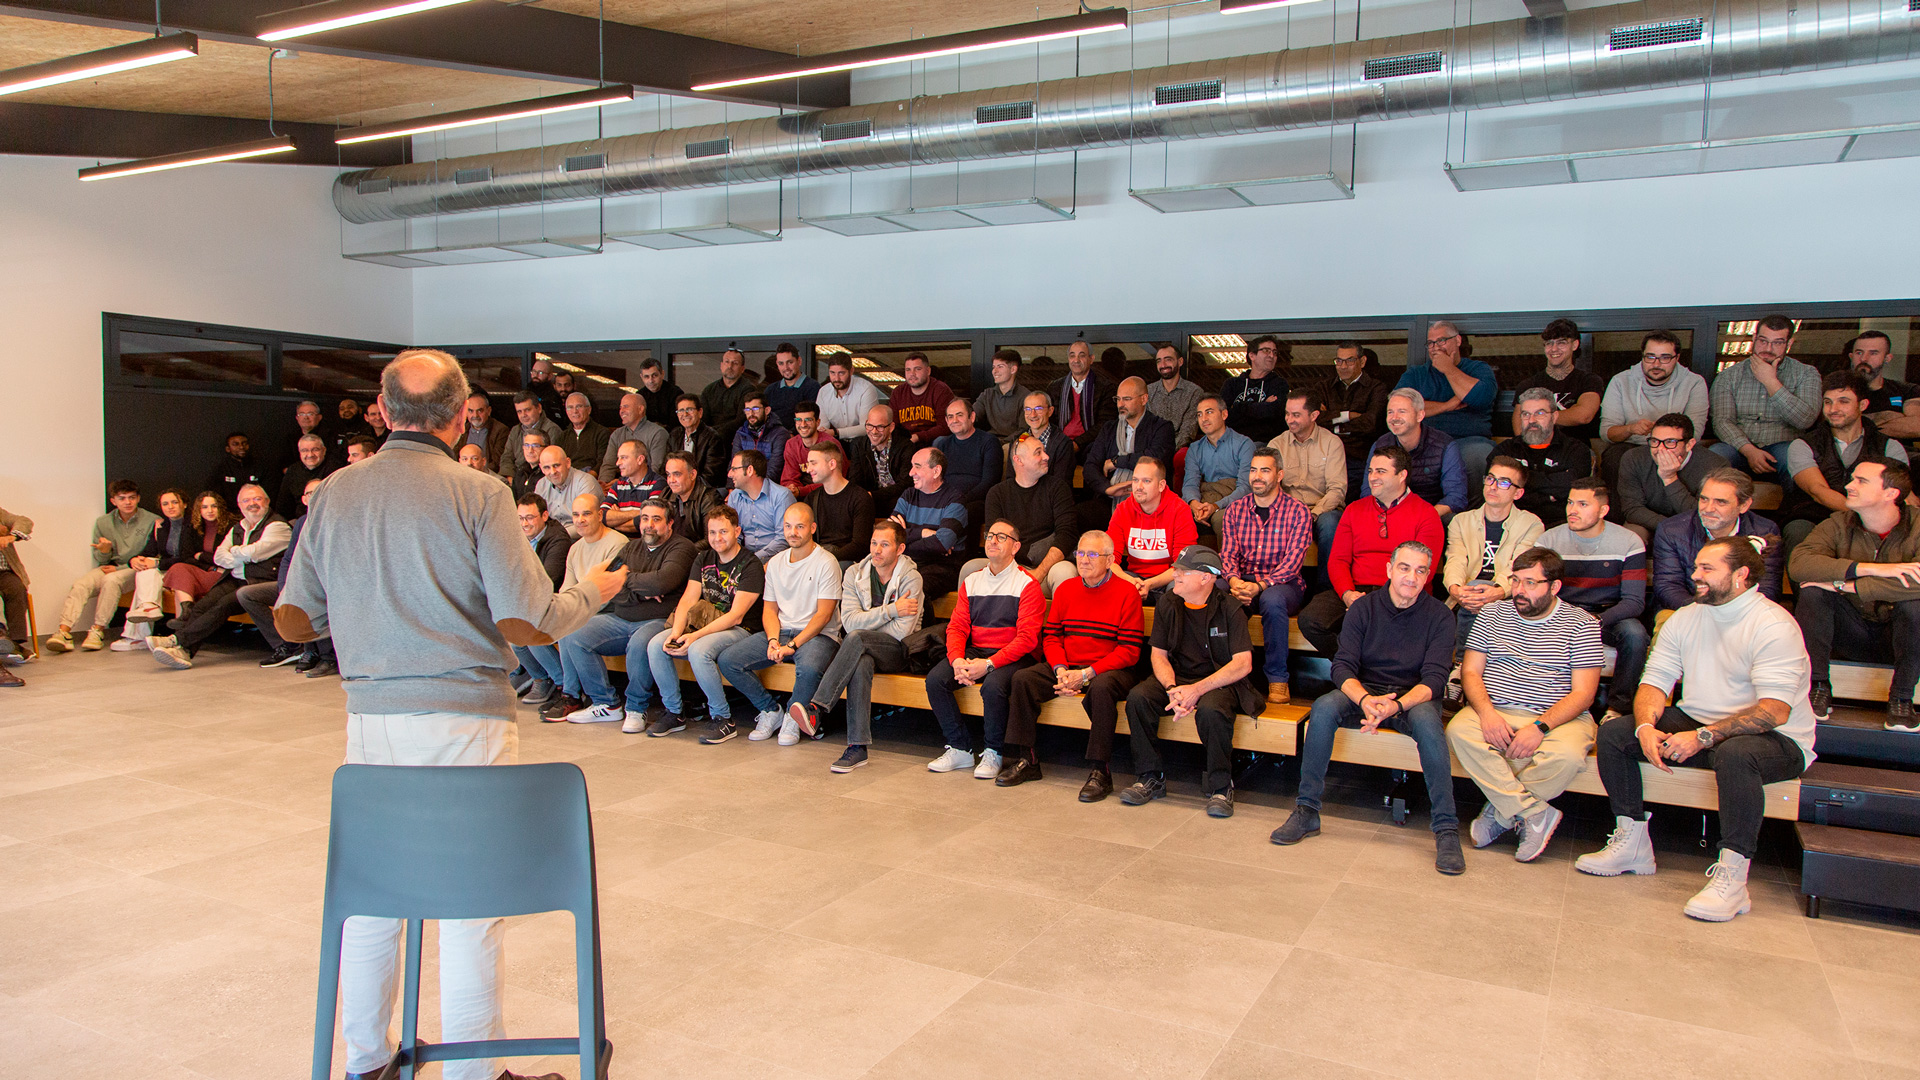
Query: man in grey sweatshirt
[417,568]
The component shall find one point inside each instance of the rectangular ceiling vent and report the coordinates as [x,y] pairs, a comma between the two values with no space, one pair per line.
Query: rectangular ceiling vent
[376,186]
[1399,67]
[1648,35]
[850,129]
[584,163]
[1015,110]
[1183,93]
[720,147]
[1913,5]
[473,176]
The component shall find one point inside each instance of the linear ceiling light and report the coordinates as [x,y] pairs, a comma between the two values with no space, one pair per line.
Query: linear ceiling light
[1091,22]
[336,14]
[491,114]
[138,54]
[231,152]
[1236,7]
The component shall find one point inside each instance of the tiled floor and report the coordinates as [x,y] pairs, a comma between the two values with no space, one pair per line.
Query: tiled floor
[162,837]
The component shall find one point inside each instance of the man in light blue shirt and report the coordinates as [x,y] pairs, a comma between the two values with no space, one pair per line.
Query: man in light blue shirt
[761,504]
[1217,464]
[1459,397]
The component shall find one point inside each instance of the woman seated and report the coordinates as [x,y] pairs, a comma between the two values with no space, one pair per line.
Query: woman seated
[195,574]
[173,539]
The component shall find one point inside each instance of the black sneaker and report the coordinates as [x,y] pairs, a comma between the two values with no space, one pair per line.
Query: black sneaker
[556,710]
[805,717]
[719,731]
[665,724]
[853,758]
[1220,804]
[1149,787]
[1302,823]
[323,669]
[1900,717]
[1098,786]
[308,661]
[1447,856]
[1017,771]
[1821,698]
[285,654]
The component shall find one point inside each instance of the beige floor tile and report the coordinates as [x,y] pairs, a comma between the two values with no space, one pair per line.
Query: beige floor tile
[805,765]
[871,832]
[22,772]
[1656,972]
[1848,943]
[683,750]
[1243,839]
[718,803]
[1061,867]
[1213,895]
[1403,859]
[1585,1042]
[35,873]
[1631,901]
[279,777]
[178,835]
[1881,1013]
[51,811]
[914,787]
[49,940]
[285,723]
[998,1030]
[646,949]
[933,920]
[34,1042]
[753,881]
[1057,808]
[1482,944]
[1242,1060]
[824,1009]
[1165,971]
[667,1056]
[272,878]
[626,847]
[612,780]
[1396,1020]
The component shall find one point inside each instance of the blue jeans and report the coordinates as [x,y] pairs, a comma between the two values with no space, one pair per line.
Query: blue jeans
[1324,526]
[609,635]
[1423,723]
[701,657]
[541,662]
[1277,604]
[1739,461]
[994,691]
[1631,641]
[739,660]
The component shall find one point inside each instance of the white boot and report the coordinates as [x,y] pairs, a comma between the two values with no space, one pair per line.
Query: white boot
[1726,893]
[1628,851]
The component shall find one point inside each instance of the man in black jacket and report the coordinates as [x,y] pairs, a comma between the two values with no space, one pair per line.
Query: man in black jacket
[692,497]
[662,395]
[1134,432]
[1038,504]
[1082,399]
[658,562]
[236,469]
[1257,400]
[313,464]
[549,538]
[691,435]
[1554,459]
[879,461]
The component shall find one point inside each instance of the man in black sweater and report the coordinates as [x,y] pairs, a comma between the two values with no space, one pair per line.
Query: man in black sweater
[1396,648]
[1038,504]
[1554,459]
[842,511]
[879,460]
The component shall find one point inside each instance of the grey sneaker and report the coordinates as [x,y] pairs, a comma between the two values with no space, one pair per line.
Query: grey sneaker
[1488,827]
[665,724]
[853,758]
[1220,804]
[1149,787]
[539,692]
[1447,856]
[1900,717]
[1535,831]
[719,730]
[172,656]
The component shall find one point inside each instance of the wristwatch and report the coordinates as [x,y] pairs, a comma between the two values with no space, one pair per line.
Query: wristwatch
[1542,725]
[1706,736]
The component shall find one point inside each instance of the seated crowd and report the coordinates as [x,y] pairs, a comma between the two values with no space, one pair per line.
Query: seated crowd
[1465,592]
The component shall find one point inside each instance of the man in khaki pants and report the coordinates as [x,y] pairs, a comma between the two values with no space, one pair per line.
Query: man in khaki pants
[1531,670]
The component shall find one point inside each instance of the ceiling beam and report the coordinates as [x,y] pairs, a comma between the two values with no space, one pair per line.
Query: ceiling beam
[66,131]
[495,38]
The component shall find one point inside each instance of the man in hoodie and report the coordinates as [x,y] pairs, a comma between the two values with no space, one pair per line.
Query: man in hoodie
[1639,396]
[882,601]
[236,469]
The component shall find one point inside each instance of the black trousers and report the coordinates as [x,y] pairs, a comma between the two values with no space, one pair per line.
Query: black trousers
[1742,765]
[1831,623]
[13,605]
[1321,619]
[208,614]
[1104,695]
[1147,704]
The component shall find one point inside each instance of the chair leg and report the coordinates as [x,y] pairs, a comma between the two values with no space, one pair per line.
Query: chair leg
[33,630]
[596,1053]
[407,1054]
[326,1009]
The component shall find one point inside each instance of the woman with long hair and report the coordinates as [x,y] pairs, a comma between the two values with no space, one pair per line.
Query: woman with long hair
[195,574]
[173,538]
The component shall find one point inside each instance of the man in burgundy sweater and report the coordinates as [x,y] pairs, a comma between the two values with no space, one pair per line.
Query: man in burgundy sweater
[920,403]
[1092,640]
[1369,531]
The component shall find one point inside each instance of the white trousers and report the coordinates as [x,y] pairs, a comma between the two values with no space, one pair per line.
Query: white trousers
[146,590]
[472,962]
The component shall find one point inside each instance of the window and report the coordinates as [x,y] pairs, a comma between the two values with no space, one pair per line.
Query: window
[605,377]
[169,358]
[1824,343]
[330,371]
[885,364]
[498,376]
[1044,363]
[1307,359]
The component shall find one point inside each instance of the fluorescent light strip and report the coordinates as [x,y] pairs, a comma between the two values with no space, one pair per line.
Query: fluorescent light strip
[1093,22]
[320,18]
[88,65]
[1237,7]
[231,152]
[492,114]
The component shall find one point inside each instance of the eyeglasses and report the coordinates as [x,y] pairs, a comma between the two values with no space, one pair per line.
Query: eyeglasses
[1500,482]
[1034,408]
[1093,554]
[1663,357]
[1003,537]
[1443,340]
[1666,444]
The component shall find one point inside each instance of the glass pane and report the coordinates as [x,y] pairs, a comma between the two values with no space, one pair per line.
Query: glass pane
[1307,359]
[1042,362]
[884,363]
[495,375]
[330,371]
[603,376]
[192,359]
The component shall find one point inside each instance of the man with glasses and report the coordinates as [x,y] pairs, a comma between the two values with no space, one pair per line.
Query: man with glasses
[1483,543]
[526,474]
[635,425]
[807,434]
[707,446]
[1355,408]
[1821,462]
[659,393]
[846,399]
[1435,470]
[998,406]
[723,398]
[1553,457]
[1092,641]
[879,460]
[1257,400]
[1892,405]
[920,401]
[1216,475]
[1663,478]
[1083,399]
[1724,508]
[1173,398]
[761,504]
[1642,394]
[1370,529]
[792,387]
[1037,415]
[1313,465]
[761,431]
[1606,576]
[993,635]
[1764,403]
[1459,396]
[1576,391]
[1262,540]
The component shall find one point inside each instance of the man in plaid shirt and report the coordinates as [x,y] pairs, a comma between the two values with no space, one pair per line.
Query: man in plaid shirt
[1762,404]
[1262,540]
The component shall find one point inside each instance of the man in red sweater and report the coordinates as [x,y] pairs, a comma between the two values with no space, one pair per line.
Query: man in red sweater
[920,403]
[993,635]
[1092,640]
[1149,530]
[1369,530]
[807,434]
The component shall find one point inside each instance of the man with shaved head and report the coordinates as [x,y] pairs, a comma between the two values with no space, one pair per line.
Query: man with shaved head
[635,426]
[561,483]
[1133,433]
[584,439]
[723,397]
[801,625]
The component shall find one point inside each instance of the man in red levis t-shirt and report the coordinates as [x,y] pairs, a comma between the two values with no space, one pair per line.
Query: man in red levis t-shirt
[1150,529]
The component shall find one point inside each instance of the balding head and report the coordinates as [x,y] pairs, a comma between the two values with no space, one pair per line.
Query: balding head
[424,390]
[579,409]
[555,465]
[1132,398]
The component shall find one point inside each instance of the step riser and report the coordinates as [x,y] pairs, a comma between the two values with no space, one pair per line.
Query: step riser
[1852,808]
[1860,881]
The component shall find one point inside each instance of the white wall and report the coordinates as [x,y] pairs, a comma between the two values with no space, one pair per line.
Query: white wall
[246,245]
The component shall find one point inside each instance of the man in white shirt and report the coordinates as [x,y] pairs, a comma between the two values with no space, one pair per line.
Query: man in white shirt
[845,399]
[561,483]
[251,553]
[801,621]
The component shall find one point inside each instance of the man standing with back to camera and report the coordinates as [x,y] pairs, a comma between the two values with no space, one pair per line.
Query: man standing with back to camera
[430,689]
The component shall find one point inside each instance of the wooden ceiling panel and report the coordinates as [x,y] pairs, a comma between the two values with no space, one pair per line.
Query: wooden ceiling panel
[808,27]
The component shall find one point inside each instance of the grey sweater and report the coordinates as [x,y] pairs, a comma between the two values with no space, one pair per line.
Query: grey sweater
[417,568]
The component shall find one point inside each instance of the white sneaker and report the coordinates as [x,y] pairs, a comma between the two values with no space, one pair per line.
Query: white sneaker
[1488,827]
[128,644]
[951,761]
[1629,851]
[597,714]
[789,732]
[765,724]
[989,766]
[1535,831]
[1726,893]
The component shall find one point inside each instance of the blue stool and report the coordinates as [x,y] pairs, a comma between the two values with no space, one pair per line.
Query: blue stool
[463,842]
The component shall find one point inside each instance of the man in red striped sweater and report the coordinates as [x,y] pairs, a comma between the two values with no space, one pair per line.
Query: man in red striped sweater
[992,636]
[1092,640]
[1368,533]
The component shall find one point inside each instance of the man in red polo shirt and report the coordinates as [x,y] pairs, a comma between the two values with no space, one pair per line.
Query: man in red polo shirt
[1149,530]
[1369,531]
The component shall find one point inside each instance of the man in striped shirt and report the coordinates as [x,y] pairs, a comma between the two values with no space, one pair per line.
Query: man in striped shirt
[1532,667]
[993,634]
[1262,540]
[1606,577]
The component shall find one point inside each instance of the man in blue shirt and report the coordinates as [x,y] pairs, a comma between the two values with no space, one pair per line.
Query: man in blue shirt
[1459,395]
[761,504]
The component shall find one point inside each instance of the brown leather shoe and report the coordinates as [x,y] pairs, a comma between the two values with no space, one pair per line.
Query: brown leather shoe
[8,678]
[1279,694]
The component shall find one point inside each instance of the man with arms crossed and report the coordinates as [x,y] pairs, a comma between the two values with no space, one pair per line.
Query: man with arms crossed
[118,536]
[993,635]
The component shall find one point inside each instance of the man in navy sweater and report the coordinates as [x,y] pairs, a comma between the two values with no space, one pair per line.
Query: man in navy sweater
[1396,648]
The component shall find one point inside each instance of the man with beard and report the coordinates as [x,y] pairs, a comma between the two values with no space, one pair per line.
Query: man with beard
[1724,508]
[792,387]
[250,552]
[1822,460]
[1663,478]
[920,403]
[1262,540]
[1763,403]
[236,470]
[879,460]
[1531,669]
[1133,433]
[1892,405]
[721,401]
[1554,459]
[1356,409]
[1173,398]
[1606,576]
[845,400]
[1641,395]
[1257,400]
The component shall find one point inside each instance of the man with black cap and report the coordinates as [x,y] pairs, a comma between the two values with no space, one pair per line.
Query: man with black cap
[1202,655]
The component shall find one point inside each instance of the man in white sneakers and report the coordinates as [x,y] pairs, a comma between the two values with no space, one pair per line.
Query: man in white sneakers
[993,636]
[118,536]
[1532,667]
[801,626]
[1743,712]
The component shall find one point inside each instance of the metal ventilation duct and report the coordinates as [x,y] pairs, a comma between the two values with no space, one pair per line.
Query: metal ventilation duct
[1585,53]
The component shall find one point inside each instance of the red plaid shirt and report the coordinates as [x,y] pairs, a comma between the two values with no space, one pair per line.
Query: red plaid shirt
[1267,552]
